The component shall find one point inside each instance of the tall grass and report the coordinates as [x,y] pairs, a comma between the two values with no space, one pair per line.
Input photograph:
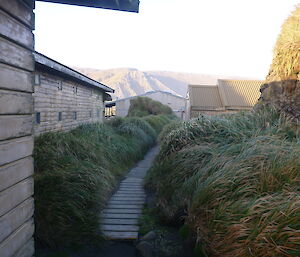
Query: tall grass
[236,178]
[143,106]
[75,173]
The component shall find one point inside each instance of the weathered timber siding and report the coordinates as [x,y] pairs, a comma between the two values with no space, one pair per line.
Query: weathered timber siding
[16,127]
[56,94]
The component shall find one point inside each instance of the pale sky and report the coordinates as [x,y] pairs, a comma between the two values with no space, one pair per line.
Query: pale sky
[223,37]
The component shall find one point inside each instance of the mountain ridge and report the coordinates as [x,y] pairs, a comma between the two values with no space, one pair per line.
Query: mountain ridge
[130,81]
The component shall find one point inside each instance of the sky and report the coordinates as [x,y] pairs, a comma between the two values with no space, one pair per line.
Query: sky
[221,37]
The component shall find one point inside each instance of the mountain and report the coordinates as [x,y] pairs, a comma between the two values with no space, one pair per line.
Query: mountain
[129,81]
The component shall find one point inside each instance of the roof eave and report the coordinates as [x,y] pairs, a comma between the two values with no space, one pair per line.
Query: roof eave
[54,65]
[118,5]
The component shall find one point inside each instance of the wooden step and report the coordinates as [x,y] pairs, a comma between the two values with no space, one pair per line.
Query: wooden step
[120,216]
[108,221]
[124,206]
[121,235]
[125,211]
[127,228]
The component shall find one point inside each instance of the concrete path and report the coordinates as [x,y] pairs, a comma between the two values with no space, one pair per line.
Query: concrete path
[119,220]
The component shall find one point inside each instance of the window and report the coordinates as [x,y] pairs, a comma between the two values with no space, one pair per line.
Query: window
[75,90]
[98,113]
[60,116]
[37,79]
[90,113]
[59,85]
[75,115]
[37,117]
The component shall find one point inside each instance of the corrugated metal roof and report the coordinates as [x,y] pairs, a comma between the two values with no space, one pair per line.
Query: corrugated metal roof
[205,97]
[239,93]
[149,93]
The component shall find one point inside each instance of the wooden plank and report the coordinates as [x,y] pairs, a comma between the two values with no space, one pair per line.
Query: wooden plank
[14,172]
[120,235]
[120,215]
[124,206]
[124,192]
[15,149]
[16,55]
[13,126]
[15,79]
[15,241]
[12,102]
[126,198]
[120,221]
[131,184]
[112,201]
[27,250]
[123,211]
[136,189]
[15,218]
[15,30]
[133,180]
[128,195]
[14,195]
[126,228]
[19,10]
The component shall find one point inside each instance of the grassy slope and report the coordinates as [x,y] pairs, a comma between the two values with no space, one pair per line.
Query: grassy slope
[76,171]
[236,178]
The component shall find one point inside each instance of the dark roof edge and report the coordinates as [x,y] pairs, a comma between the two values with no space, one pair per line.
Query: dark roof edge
[118,5]
[50,63]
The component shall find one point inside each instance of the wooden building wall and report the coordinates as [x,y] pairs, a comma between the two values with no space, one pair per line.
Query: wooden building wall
[56,97]
[16,141]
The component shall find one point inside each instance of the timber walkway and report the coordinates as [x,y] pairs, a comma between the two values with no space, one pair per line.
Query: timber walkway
[120,218]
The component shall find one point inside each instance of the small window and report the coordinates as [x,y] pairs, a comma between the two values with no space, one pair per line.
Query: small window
[59,85]
[90,113]
[75,90]
[37,79]
[60,116]
[37,117]
[75,115]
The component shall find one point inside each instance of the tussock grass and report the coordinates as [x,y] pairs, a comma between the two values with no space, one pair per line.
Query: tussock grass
[235,179]
[143,106]
[286,60]
[75,173]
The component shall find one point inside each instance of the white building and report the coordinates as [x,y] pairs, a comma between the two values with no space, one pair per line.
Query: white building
[175,102]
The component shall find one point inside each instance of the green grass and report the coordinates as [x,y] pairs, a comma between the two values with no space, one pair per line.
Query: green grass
[143,106]
[76,172]
[237,179]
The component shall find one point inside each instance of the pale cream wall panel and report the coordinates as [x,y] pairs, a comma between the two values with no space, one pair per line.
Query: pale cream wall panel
[17,240]
[16,55]
[15,149]
[27,250]
[15,218]
[12,102]
[19,10]
[13,126]
[12,196]
[15,79]
[14,172]
[15,30]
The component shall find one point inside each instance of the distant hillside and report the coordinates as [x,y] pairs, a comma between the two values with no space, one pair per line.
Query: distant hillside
[129,82]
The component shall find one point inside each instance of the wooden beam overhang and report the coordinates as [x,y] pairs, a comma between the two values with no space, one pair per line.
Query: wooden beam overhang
[119,5]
